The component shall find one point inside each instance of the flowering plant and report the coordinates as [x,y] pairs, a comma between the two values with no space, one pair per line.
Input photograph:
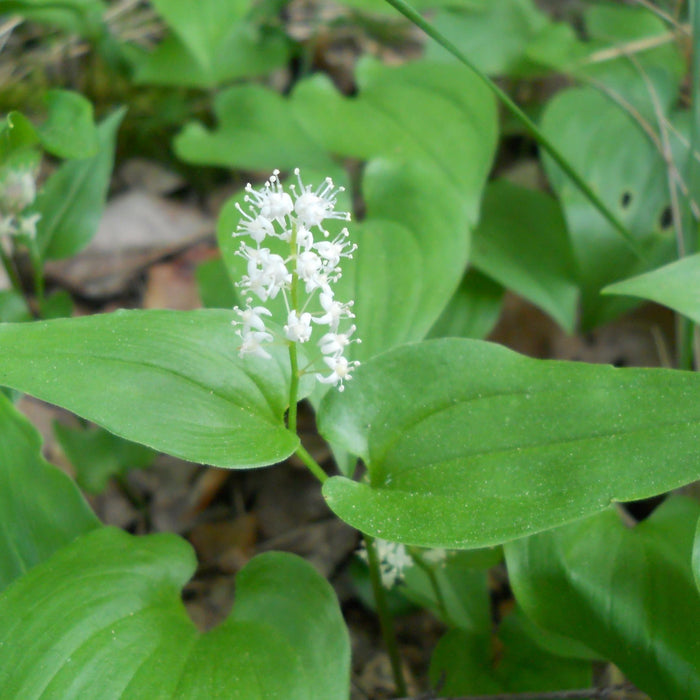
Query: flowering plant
[448,455]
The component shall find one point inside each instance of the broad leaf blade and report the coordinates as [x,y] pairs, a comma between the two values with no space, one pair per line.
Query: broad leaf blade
[170,380]
[627,593]
[104,618]
[41,510]
[676,285]
[469,444]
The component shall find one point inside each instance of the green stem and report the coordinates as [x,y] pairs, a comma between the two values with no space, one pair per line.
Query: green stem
[314,467]
[293,388]
[38,269]
[385,621]
[9,265]
[430,573]
[408,12]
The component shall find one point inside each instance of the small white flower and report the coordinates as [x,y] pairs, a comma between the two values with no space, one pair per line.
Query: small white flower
[251,317]
[17,191]
[340,371]
[252,344]
[435,556]
[258,227]
[305,238]
[393,560]
[298,328]
[308,264]
[314,207]
[335,343]
[332,251]
[27,225]
[335,311]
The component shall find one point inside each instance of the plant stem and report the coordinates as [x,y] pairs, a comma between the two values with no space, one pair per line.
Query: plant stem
[430,573]
[385,621]
[11,270]
[293,388]
[38,270]
[408,12]
[313,466]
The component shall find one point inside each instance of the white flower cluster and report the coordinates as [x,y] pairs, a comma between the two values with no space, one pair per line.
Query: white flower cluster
[17,192]
[304,277]
[394,559]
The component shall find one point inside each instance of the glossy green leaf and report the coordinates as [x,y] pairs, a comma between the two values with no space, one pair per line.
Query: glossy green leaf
[618,159]
[676,285]
[97,455]
[469,444]
[41,510]
[69,131]
[473,310]
[514,663]
[72,199]
[627,593]
[170,380]
[521,242]
[103,618]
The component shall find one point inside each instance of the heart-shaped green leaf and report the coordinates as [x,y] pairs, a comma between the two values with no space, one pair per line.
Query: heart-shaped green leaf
[69,131]
[103,618]
[521,241]
[627,593]
[72,199]
[618,159]
[469,444]
[170,380]
[41,510]
[676,285]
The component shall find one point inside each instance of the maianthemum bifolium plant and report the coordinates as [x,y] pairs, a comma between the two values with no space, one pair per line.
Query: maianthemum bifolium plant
[469,453]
